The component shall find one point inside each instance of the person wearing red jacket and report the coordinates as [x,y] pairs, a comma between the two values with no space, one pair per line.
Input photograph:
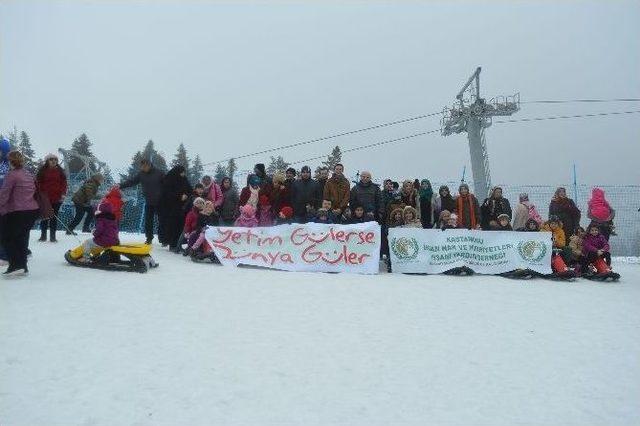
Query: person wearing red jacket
[52,181]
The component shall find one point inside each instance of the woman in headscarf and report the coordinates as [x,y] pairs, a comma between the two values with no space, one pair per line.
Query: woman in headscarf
[566,210]
[426,203]
[175,192]
[444,201]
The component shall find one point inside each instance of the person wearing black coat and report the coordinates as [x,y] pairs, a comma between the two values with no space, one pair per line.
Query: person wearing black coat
[150,179]
[175,192]
[493,207]
[367,194]
[566,210]
[305,195]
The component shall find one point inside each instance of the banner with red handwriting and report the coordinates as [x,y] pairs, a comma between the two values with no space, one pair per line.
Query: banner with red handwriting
[309,247]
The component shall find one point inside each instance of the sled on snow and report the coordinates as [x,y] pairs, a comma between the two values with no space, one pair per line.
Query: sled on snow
[125,257]
[601,272]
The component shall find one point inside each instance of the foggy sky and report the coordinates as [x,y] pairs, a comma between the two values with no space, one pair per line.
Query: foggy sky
[232,78]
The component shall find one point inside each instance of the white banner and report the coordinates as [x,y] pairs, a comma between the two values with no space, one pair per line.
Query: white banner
[433,251]
[297,247]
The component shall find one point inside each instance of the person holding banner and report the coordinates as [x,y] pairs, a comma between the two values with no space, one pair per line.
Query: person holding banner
[467,208]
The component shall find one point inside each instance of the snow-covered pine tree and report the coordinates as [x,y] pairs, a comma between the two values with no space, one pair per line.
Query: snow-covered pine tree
[277,164]
[182,159]
[220,172]
[197,170]
[82,145]
[24,146]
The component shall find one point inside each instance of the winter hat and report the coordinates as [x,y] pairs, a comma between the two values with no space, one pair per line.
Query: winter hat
[255,180]
[524,197]
[247,210]
[503,216]
[264,200]
[292,170]
[50,156]
[259,167]
[463,185]
[287,212]
[306,169]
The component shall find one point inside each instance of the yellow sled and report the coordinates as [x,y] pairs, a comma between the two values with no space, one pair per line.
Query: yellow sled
[137,258]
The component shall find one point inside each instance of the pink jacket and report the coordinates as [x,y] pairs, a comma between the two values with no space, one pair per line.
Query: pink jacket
[214,194]
[598,206]
[17,192]
[592,244]
[247,217]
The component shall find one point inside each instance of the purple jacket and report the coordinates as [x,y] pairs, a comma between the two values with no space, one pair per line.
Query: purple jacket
[592,244]
[17,192]
[106,232]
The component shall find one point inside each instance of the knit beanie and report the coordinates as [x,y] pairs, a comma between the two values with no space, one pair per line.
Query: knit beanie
[287,212]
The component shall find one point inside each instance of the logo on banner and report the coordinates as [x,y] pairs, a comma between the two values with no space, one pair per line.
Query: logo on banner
[532,251]
[405,248]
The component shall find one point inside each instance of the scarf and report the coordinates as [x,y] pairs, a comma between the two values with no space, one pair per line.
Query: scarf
[460,208]
[426,193]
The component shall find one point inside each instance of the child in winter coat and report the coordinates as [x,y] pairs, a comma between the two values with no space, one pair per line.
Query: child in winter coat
[601,212]
[553,225]
[358,215]
[106,232]
[206,217]
[451,223]
[410,218]
[595,245]
[530,226]
[323,216]
[265,215]
[525,210]
[575,245]
[503,223]
[247,217]
[396,219]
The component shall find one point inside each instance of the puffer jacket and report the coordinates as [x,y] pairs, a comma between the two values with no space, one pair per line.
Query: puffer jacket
[559,240]
[53,182]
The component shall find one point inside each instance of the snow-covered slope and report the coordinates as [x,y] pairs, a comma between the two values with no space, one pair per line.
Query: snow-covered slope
[195,344]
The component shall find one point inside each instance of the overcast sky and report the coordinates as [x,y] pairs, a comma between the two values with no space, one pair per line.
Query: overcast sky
[232,78]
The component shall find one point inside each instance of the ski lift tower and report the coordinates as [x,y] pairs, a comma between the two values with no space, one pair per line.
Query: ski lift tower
[472,114]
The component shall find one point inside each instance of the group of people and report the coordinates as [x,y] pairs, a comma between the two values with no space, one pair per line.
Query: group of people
[183,210]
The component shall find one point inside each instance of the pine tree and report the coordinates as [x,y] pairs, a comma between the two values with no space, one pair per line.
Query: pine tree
[232,168]
[220,173]
[149,152]
[182,159]
[108,176]
[197,169]
[81,145]
[334,158]
[12,137]
[134,167]
[24,146]
[277,165]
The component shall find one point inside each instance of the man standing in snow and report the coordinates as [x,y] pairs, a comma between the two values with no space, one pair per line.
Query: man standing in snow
[150,179]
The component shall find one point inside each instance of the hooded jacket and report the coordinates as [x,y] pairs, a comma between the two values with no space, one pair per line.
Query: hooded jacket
[106,232]
[599,208]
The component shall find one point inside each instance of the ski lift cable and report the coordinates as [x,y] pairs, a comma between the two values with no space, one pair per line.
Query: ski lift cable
[324,138]
[569,101]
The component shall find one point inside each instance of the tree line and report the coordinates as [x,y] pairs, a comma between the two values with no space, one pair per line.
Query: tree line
[193,166]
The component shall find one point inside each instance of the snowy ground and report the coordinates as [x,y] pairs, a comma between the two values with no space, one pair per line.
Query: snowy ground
[194,344]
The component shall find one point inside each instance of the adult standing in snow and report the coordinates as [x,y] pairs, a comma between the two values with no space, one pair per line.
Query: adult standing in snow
[175,191]
[492,207]
[150,179]
[467,208]
[229,211]
[321,179]
[566,210]
[425,195]
[5,147]
[367,194]
[19,211]
[337,190]
[51,181]
[82,200]
[305,195]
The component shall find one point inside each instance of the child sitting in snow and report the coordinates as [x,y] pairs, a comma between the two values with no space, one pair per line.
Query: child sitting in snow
[265,216]
[575,245]
[503,223]
[106,232]
[601,212]
[285,216]
[247,217]
[191,220]
[595,245]
[197,242]
[322,216]
[410,218]
[451,221]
